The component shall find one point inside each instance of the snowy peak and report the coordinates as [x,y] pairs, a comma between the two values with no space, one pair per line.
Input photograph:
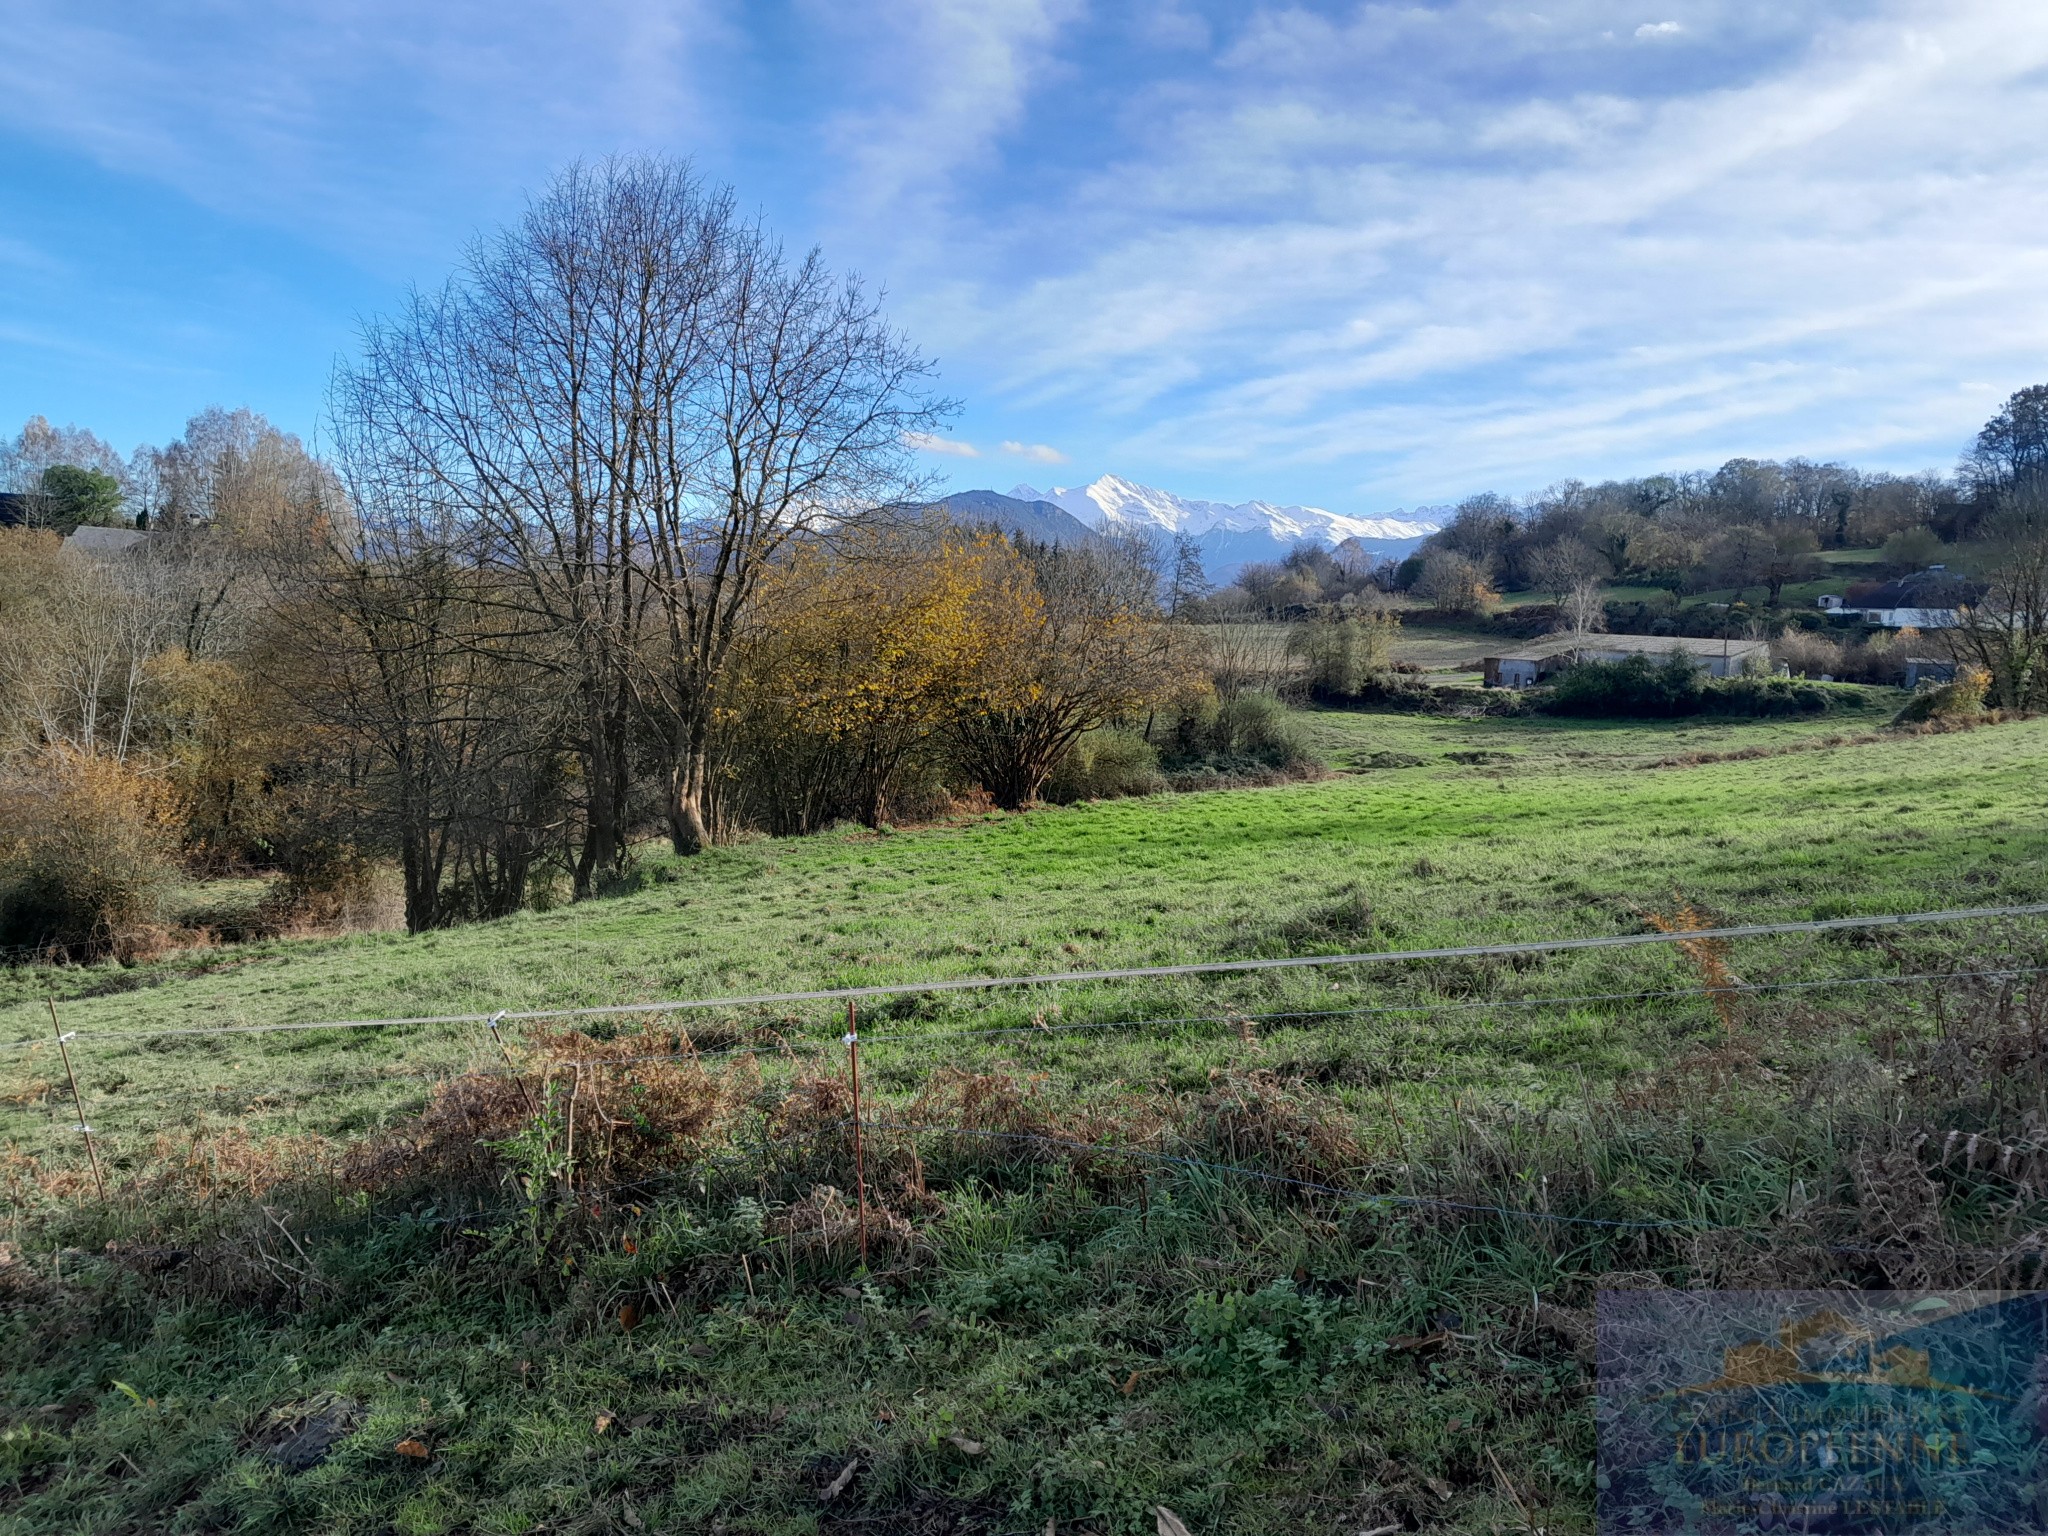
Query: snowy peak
[1115,504]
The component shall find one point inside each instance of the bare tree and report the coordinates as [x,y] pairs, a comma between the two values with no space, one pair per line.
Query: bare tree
[82,630]
[2005,631]
[441,731]
[1186,582]
[1583,610]
[38,446]
[638,402]
[1452,583]
[792,428]
[1567,563]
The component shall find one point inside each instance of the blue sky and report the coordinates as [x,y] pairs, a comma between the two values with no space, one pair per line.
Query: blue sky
[1362,256]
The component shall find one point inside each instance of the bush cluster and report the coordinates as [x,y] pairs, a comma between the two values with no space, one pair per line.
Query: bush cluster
[1640,688]
[1880,659]
[1105,765]
[1248,735]
[87,854]
[1962,699]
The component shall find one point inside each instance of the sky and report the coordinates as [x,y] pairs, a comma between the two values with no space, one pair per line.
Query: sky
[1360,256]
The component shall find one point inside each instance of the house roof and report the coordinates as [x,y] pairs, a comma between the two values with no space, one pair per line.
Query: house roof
[1923,589]
[104,541]
[1633,645]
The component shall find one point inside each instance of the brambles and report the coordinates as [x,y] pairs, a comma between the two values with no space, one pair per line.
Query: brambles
[87,848]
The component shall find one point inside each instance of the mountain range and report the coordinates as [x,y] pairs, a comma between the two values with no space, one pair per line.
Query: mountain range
[1229,537]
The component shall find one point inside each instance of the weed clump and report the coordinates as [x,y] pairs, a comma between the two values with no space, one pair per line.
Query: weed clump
[620,1108]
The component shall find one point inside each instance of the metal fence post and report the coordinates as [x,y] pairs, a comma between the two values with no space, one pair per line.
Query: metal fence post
[77,1103]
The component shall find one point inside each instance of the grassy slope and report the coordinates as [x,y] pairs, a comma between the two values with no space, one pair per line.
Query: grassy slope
[1290,1413]
[1568,832]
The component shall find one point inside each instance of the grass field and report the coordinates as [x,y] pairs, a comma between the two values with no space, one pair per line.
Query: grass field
[1055,1338]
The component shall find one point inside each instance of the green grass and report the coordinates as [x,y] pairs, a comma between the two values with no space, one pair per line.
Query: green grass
[1271,1390]
[1562,829]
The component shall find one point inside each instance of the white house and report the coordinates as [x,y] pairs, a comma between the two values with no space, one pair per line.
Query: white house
[1929,599]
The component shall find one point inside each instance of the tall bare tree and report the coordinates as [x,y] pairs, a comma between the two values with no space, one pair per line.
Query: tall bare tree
[2006,630]
[794,429]
[638,402]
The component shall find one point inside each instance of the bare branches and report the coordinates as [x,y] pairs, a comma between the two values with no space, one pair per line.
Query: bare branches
[631,404]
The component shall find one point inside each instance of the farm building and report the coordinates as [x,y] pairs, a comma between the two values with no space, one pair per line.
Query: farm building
[1928,599]
[1531,663]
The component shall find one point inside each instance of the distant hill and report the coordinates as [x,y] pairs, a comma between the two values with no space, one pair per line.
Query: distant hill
[1041,521]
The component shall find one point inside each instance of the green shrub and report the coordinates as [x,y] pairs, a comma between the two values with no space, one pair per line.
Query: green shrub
[1249,734]
[1344,653]
[1104,765]
[86,856]
[1956,700]
[1637,687]
[1768,696]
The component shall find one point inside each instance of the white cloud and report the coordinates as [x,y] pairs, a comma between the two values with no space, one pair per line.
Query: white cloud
[1037,453]
[1804,257]
[356,121]
[947,79]
[1659,29]
[931,442]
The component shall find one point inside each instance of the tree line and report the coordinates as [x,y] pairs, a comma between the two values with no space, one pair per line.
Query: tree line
[1752,525]
[620,533]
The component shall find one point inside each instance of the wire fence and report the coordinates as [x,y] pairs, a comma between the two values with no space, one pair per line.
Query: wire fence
[1048,1028]
[1043,1027]
[1678,936]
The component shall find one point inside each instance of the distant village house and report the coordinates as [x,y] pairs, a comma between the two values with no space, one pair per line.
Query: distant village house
[1929,599]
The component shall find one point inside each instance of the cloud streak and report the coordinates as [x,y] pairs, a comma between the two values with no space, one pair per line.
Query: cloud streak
[946,447]
[1037,453]
[1806,257]
[1351,253]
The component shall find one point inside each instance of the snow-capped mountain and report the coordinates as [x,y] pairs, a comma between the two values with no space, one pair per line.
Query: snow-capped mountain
[1229,536]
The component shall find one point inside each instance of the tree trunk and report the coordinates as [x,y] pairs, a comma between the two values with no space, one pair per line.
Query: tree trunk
[603,773]
[686,830]
[422,884]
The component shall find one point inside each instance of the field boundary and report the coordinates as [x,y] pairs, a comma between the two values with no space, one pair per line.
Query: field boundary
[1129,973]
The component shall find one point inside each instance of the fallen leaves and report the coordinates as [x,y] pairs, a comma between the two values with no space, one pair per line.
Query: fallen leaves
[965,1446]
[629,1316]
[416,1449]
[604,1423]
[1170,1524]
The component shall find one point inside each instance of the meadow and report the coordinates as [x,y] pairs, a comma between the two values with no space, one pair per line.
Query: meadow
[1047,1337]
